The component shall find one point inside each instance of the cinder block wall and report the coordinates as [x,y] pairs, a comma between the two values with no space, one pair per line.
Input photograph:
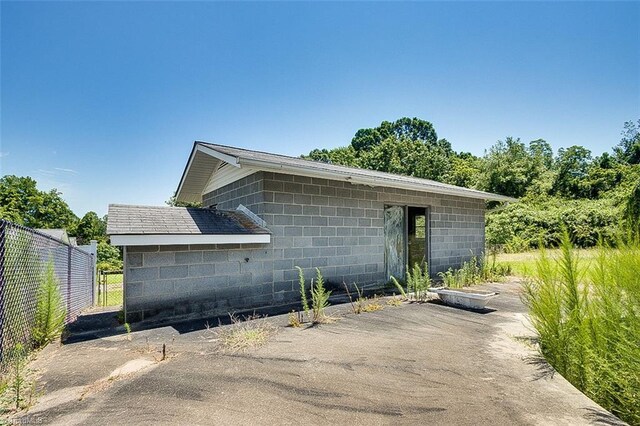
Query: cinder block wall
[333,225]
[168,281]
[339,227]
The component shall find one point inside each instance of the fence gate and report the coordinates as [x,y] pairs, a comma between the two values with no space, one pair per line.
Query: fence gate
[110,288]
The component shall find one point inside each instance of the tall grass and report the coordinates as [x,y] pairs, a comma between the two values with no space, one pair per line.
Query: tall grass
[473,272]
[50,309]
[589,323]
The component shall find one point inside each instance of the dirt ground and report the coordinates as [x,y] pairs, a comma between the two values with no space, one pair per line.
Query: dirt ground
[411,364]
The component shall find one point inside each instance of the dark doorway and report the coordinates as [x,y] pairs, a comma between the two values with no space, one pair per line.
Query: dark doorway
[417,235]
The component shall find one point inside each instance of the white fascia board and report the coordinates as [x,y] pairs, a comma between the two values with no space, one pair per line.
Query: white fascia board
[370,181]
[182,239]
[184,174]
[219,155]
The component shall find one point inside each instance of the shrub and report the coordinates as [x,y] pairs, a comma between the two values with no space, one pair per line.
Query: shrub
[303,290]
[50,310]
[418,281]
[319,298]
[526,224]
[474,272]
[589,326]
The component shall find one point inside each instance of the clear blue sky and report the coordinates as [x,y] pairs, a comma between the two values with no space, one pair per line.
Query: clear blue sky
[104,100]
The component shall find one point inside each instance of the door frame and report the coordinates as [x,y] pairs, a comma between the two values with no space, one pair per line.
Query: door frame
[427,240]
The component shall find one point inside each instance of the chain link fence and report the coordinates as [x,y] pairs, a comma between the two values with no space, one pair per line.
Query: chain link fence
[24,256]
[110,288]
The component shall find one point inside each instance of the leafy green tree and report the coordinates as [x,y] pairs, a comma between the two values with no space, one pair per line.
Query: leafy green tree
[603,174]
[572,165]
[91,227]
[508,168]
[345,156]
[628,150]
[408,146]
[174,203]
[464,170]
[408,157]
[405,128]
[24,204]
[542,153]
[109,257]
[632,209]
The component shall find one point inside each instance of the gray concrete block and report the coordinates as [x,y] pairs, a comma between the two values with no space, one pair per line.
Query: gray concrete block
[134,289]
[228,268]
[159,259]
[293,231]
[134,260]
[142,274]
[204,270]
[292,209]
[155,289]
[174,271]
[187,257]
[174,248]
[142,249]
[310,210]
[215,256]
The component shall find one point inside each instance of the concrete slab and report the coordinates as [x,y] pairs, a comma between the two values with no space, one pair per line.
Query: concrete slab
[412,364]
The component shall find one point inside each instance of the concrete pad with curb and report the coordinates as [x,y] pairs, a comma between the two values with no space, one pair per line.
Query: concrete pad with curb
[412,364]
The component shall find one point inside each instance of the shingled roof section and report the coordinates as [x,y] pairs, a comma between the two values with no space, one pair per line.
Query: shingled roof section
[160,220]
[340,171]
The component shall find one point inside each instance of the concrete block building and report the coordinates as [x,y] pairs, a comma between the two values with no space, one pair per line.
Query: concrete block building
[264,214]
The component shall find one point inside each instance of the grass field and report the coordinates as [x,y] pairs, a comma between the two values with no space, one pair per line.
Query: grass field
[524,264]
[114,290]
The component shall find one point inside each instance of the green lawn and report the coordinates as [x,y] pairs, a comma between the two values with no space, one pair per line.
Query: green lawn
[114,290]
[524,264]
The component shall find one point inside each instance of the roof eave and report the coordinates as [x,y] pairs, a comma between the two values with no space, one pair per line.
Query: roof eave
[187,239]
[372,181]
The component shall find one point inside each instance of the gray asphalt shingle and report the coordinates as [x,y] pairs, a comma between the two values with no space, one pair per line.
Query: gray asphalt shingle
[161,220]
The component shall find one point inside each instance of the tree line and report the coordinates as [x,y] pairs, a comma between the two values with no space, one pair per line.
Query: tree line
[591,196]
[23,203]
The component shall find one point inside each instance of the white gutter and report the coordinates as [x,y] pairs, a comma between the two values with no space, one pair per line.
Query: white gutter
[185,239]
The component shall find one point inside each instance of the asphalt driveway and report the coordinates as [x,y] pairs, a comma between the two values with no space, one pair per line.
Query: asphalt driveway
[411,364]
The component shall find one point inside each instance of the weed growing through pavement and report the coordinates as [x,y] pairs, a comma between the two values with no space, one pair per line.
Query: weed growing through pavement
[303,291]
[319,298]
[399,287]
[363,304]
[251,332]
[295,319]
[50,309]
[394,301]
[127,328]
[18,388]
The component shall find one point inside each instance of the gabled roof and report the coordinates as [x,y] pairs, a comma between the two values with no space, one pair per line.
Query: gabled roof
[160,225]
[206,158]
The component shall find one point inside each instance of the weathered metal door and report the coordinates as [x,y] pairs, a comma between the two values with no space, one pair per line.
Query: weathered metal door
[394,241]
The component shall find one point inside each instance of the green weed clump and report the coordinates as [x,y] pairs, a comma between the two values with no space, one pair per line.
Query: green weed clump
[50,309]
[418,281]
[303,291]
[589,323]
[319,297]
[474,272]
